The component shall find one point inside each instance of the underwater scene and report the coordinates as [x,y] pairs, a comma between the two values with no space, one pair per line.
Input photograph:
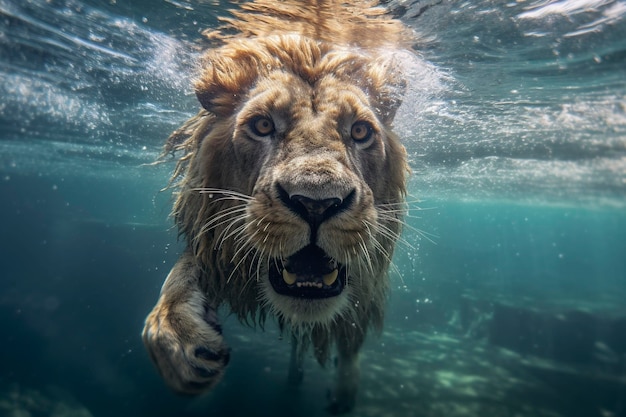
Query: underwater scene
[508,284]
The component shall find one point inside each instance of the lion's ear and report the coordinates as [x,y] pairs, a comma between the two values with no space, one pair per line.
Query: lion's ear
[222,82]
[387,83]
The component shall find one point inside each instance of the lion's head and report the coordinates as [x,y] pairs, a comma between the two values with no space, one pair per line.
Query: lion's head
[292,183]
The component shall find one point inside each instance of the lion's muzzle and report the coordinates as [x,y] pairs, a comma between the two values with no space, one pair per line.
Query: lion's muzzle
[311,273]
[316,189]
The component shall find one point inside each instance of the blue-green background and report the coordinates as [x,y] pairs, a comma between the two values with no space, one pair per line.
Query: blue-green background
[509,284]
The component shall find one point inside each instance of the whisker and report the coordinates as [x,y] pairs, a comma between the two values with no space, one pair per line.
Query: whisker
[366,254]
[394,236]
[221,217]
[395,269]
[216,220]
[225,235]
[241,235]
[243,258]
[242,245]
[384,252]
[258,265]
[406,208]
[377,244]
[347,264]
[229,198]
[269,259]
[248,282]
[252,263]
[246,243]
[420,232]
[281,250]
[223,191]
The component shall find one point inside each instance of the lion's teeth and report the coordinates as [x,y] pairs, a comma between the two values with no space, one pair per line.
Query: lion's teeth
[329,279]
[288,277]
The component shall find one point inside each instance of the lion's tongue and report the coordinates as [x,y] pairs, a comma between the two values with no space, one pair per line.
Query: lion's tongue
[310,267]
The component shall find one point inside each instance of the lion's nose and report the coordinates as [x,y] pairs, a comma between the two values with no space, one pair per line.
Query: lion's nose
[315,211]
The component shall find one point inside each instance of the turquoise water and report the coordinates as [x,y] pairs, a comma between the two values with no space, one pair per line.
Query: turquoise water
[509,285]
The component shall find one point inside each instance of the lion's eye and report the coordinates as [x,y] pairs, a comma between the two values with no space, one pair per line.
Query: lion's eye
[361,131]
[261,126]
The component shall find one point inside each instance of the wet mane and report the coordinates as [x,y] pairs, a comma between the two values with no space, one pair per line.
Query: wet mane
[353,23]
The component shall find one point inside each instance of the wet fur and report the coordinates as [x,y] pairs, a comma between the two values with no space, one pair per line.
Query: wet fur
[338,54]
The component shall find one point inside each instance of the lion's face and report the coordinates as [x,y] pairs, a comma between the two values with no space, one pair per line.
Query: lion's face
[322,153]
[311,149]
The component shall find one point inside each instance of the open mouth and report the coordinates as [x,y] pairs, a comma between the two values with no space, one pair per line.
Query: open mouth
[309,273]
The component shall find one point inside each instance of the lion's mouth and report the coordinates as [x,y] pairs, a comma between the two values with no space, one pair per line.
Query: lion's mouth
[309,273]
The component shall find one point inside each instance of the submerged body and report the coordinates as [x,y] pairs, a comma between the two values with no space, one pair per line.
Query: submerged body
[290,190]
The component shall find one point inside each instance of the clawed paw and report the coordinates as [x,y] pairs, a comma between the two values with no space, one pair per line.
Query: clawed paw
[187,347]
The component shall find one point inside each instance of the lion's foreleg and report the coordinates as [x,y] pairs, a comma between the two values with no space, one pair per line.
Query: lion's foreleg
[348,372]
[296,361]
[182,333]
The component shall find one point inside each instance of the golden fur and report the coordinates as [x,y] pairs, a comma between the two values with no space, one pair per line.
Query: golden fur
[316,71]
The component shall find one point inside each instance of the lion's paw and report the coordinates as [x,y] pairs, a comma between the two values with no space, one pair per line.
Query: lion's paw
[185,342]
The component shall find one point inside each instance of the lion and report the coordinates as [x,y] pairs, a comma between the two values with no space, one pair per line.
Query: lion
[289,191]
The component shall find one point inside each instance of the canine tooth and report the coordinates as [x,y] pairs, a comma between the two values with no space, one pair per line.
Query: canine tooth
[288,277]
[330,278]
